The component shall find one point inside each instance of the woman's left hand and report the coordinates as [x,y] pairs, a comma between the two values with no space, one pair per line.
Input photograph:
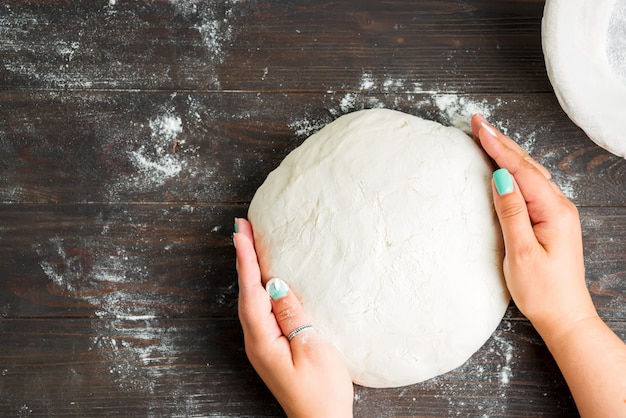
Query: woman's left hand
[307,375]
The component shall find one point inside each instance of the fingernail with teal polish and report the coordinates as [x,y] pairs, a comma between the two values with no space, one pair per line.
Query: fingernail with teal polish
[503,181]
[236,227]
[276,288]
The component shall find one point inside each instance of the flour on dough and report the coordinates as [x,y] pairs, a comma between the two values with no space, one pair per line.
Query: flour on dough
[383,225]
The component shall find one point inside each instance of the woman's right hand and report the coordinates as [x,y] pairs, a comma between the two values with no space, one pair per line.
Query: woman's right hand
[543,265]
[545,273]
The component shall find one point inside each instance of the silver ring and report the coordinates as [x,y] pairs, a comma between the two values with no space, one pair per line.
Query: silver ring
[298,331]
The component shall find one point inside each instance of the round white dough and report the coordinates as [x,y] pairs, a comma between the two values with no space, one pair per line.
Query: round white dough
[383,225]
[585,54]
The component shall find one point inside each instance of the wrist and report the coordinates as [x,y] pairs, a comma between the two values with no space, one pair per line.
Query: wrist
[572,308]
[559,330]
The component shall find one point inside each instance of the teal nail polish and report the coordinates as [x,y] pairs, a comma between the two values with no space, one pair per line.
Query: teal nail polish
[236,227]
[503,181]
[276,288]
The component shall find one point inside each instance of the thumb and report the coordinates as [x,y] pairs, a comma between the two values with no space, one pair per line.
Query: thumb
[519,237]
[287,308]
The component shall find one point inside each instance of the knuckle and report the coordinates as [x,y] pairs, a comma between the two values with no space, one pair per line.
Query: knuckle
[572,209]
[522,258]
[255,348]
[529,161]
[568,213]
[523,162]
[253,352]
[524,252]
[512,210]
[284,310]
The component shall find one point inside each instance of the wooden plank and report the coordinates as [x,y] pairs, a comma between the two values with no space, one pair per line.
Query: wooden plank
[444,46]
[117,261]
[197,367]
[67,147]
[170,260]
[131,134]
[113,367]
[604,240]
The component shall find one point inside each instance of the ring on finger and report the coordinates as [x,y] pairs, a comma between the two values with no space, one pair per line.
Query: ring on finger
[298,330]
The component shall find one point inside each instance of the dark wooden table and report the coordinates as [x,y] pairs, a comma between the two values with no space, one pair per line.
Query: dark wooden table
[132,133]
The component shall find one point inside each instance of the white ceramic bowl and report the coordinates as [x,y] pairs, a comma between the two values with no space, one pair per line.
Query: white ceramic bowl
[585,53]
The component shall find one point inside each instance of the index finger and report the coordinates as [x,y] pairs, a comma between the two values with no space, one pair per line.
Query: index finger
[479,122]
[533,183]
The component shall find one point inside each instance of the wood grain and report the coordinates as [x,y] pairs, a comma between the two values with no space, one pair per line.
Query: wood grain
[132,133]
[193,367]
[118,261]
[102,367]
[448,46]
[81,147]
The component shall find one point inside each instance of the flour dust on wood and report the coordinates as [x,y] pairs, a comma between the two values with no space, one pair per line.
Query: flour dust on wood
[158,159]
[129,299]
[216,22]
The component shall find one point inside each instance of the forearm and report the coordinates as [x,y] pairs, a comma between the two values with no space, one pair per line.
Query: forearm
[593,361]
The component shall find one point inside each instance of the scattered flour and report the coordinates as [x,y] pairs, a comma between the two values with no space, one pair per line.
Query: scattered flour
[367,82]
[53,274]
[67,49]
[216,24]
[346,104]
[156,161]
[215,21]
[477,388]
[215,34]
[567,183]
[526,141]
[453,109]
[457,110]
[104,284]
[506,352]
[138,350]
[610,285]
[387,84]
[24,411]
[306,127]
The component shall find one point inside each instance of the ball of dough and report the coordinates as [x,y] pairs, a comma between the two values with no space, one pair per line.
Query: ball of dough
[383,225]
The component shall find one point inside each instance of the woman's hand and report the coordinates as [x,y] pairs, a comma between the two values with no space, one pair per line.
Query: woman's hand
[544,270]
[307,375]
[544,265]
